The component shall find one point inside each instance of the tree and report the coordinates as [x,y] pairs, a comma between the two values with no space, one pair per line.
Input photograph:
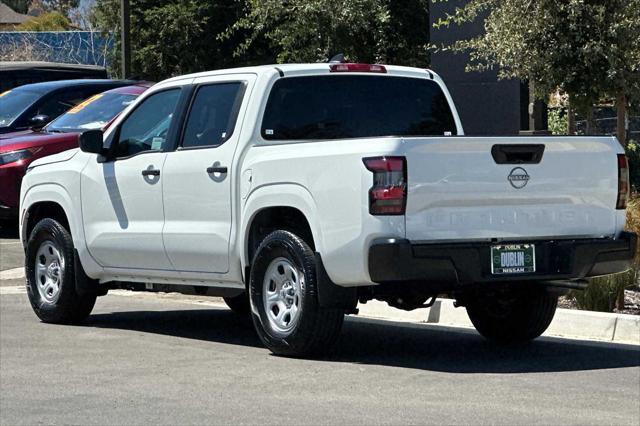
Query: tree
[587,49]
[63,6]
[171,38]
[52,21]
[315,30]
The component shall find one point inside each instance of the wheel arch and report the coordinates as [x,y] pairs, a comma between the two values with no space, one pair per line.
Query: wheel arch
[285,206]
[53,200]
[47,200]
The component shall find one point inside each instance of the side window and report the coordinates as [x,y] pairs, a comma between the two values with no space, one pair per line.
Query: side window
[146,128]
[213,114]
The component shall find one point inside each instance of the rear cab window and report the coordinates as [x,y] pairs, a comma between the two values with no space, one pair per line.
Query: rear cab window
[355,106]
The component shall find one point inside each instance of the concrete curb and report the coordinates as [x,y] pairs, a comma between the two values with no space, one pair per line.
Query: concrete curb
[600,326]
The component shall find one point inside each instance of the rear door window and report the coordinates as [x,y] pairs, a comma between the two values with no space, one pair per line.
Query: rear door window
[213,114]
[355,106]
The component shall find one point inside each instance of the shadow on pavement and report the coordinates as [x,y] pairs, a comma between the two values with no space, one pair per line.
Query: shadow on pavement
[214,325]
[365,341]
[8,230]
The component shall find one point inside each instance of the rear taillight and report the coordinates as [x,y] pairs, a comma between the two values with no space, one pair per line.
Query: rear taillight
[351,67]
[623,182]
[388,195]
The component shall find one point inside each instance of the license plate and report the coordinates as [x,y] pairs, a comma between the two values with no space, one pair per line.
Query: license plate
[513,259]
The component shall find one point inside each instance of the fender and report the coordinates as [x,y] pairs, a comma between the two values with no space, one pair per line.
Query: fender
[56,193]
[298,197]
[277,195]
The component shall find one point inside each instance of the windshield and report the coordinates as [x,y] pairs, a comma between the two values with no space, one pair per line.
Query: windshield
[356,106]
[93,113]
[13,103]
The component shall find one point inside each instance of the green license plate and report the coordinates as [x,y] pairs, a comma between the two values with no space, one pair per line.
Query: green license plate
[513,259]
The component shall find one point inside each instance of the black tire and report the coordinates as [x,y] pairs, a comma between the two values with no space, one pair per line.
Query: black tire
[513,317]
[238,304]
[316,329]
[68,307]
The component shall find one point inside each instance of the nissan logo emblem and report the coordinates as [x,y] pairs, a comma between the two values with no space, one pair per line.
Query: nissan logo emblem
[518,178]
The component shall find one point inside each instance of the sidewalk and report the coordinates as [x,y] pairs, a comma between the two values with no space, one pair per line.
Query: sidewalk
[599,326]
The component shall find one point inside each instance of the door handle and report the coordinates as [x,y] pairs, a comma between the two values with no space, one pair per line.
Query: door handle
[212,169]
[151,172]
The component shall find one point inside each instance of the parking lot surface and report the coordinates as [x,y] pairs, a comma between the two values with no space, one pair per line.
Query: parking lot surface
[168,360]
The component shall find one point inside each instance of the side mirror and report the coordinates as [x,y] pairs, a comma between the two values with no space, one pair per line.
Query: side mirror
[39,121]
[91,141]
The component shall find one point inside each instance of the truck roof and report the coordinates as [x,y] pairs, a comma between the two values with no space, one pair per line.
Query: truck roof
[307,69]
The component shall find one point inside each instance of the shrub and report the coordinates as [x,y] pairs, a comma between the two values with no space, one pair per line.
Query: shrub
[557,119]
[633,154]
[602,293]
[52,21]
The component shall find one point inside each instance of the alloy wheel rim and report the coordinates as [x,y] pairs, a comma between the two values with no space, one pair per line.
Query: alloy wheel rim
[281,294]
[49,270]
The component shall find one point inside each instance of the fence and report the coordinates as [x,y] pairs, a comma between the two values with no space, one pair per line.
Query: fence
[75,47]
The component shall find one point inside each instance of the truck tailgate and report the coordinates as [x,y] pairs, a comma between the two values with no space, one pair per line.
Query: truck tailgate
[459,190]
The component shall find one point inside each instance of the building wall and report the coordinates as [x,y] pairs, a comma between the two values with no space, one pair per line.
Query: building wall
[486,105]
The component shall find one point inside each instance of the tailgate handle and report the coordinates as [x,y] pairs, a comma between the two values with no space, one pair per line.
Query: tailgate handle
[517,153]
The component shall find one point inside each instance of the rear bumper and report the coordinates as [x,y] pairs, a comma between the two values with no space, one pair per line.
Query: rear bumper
[457,264]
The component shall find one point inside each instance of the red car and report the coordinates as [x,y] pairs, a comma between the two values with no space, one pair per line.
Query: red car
[19,149]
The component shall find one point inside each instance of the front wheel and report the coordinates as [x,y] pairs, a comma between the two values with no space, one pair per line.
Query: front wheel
[516,316]
[284,304]
[51,276]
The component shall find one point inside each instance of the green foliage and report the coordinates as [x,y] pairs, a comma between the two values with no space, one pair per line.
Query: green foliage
[557,119]
[171,38]
[633,155]
[20,6]
[602,292]
[587,49]
[315,30]
[52,21]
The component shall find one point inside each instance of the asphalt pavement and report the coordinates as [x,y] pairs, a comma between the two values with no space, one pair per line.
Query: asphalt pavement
[170,360]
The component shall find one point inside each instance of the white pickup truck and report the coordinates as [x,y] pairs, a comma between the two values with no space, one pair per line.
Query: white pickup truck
[297,191]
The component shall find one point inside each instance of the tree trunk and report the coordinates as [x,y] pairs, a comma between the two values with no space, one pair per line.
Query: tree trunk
[591,124]
[571,120]
[620,299]
[621,128]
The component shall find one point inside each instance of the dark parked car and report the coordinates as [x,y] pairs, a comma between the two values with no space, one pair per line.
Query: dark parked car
[35,105]
[16,153]
[14,74]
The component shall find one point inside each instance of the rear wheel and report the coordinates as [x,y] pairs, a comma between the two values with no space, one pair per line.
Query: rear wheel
[515,316]
[283,294]
[51,275]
